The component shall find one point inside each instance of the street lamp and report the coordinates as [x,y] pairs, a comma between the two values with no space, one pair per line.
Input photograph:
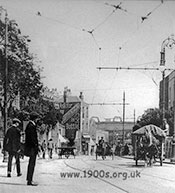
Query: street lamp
[169,43]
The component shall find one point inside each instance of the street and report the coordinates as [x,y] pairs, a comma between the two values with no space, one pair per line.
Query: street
[85,174]
[78,77]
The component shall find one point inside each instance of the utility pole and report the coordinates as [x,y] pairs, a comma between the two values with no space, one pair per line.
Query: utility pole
[134,116]
[167,43]
[123,121]
[123,134]
[132,68]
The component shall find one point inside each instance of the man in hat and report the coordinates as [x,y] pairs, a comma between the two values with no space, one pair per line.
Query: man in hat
[12,145]
[31,146]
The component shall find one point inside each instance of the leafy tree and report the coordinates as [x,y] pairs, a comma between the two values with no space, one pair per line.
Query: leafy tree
[50,118]
[23,72]
[155,116]
[151,116]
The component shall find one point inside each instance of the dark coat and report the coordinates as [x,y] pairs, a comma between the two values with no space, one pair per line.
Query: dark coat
[12,140]
[31,140]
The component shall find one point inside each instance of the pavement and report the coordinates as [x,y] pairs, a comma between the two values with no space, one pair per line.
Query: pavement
[47,174]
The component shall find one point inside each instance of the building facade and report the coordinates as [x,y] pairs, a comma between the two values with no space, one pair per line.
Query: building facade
[169,92]
[116,130]
[75,118]
[169,96]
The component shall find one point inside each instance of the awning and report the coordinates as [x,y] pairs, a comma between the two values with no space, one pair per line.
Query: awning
[87,136]
[92,142]
[62,139]
[88,139]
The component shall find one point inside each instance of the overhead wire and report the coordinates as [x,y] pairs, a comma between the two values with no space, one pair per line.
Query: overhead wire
[101,23]
[150,72]
[104,20]
[58,21]
[148,14]
[104,89]
[39,14]
[138,26]
[145,63]
[96,42]
[72,26]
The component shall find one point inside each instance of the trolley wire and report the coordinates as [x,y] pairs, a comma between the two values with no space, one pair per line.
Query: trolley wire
[143,18]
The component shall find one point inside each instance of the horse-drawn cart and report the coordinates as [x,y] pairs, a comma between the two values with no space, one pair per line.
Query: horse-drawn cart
[66,151]
[149,144]
[103,151]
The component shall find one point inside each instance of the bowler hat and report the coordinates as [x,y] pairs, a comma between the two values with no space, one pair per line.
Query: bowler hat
[15,120]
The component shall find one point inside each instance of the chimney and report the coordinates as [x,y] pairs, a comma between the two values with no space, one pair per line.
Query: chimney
[65,95]
[81,96]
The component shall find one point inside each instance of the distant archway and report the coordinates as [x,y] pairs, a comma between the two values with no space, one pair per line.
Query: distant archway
[95,118]
[117,117]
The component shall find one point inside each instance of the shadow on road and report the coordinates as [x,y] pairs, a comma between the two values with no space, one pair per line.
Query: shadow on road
[1,176]
[132,165]
[3,166]
[16,184]
[140,165]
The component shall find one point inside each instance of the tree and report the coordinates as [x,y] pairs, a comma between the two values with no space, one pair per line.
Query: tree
[151,116]
[155,117]
[50,117]
[23,71]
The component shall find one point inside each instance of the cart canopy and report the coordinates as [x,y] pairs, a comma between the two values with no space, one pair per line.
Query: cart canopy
[147,129]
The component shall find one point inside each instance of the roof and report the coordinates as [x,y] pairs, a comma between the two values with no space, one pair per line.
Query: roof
[69,99]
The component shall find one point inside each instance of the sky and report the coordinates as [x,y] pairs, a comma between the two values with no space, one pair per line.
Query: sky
[72,38]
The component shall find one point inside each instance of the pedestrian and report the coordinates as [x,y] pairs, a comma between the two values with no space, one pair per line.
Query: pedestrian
[101,142]
[92,149]
[50,148]
[126,149]
[118,149]
[44,148]
[39,150]
[113,148]
[31,146]
[12,146]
